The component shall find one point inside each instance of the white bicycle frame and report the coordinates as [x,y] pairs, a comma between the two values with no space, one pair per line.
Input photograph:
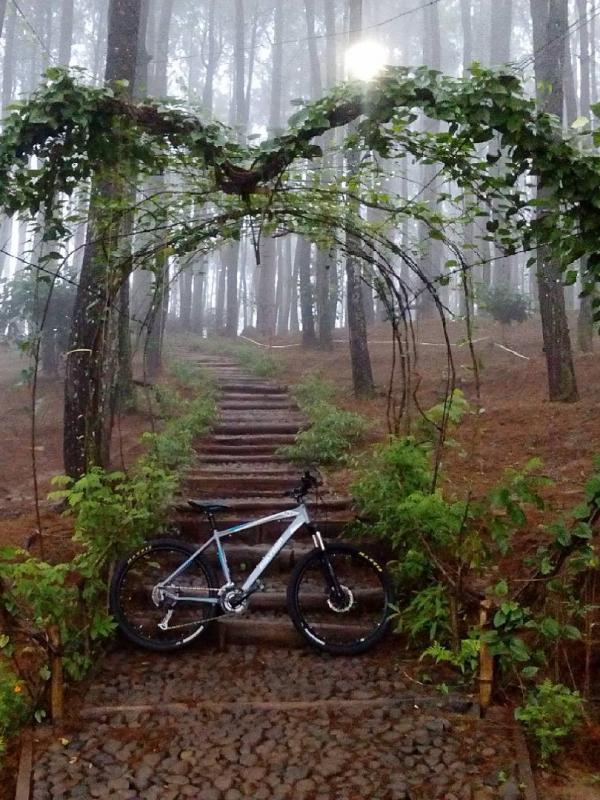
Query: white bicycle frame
[298,516]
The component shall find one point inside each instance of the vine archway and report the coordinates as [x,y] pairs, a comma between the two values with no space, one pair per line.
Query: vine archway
[76,132]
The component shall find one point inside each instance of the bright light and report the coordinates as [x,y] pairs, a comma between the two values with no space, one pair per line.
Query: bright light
[365,60]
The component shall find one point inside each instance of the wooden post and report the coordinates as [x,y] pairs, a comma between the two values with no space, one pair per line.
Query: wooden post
[56,676]
[486,663]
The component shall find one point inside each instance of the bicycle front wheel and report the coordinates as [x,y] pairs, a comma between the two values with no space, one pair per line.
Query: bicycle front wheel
[155,617]
[340,599]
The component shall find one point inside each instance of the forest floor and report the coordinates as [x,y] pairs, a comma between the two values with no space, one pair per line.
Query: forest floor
[516,423]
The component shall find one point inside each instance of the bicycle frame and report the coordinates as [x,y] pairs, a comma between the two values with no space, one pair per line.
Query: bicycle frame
[298,516]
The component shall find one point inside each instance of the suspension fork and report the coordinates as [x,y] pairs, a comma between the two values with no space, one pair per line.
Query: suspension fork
[328,571]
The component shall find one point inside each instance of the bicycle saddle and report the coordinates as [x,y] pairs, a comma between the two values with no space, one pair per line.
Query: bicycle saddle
[207,508]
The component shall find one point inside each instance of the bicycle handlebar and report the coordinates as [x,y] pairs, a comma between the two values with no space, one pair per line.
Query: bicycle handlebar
[308,481]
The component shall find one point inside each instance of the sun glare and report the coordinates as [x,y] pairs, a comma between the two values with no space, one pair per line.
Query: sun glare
[365,60]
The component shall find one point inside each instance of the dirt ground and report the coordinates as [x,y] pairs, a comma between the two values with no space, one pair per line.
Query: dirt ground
[515,423]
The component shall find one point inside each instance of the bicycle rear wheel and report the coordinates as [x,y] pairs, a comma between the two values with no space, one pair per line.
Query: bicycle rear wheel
[339,599]
[139,609]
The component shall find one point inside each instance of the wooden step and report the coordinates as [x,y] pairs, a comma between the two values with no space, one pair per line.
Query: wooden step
[263,506]
[241,483]
[256,439]
[244,458]
[247,387]
[195,527]
[243,450]
[257,405]
[234,429]
[231,469]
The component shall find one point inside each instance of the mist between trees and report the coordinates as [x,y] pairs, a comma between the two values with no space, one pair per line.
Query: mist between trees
[369,207]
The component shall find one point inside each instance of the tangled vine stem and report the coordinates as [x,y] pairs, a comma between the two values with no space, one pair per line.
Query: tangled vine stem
[77,132]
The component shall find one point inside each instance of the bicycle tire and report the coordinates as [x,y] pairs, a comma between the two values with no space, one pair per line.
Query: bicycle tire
[359,618]
[131,595]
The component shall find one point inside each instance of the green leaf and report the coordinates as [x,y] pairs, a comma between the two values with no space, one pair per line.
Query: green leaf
[529,672]
[550,628]
[579,123]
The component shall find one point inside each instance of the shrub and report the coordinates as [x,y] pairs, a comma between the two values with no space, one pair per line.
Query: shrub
[332,433]
[113,513]
[14,700]
[505,305]
[551,713]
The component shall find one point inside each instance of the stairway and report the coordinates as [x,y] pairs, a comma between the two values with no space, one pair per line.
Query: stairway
[238,465]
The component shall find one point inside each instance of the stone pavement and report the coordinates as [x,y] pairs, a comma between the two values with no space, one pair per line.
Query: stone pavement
[268,724]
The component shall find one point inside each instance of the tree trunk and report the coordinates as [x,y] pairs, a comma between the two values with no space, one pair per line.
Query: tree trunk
[66,33]
[265,295]
[90,365]
[284,279]
[231,254]
[199,296]
[585,318]
[549,28]
[302,269]
[2,15]
[431,260]
[324,265]
[362,374]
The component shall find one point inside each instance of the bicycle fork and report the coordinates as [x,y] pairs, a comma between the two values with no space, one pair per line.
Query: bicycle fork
[331,581]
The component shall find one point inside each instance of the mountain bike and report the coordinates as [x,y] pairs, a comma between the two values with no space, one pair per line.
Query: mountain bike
[166,594]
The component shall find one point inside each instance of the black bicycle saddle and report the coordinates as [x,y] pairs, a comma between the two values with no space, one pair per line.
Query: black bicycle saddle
[207,508]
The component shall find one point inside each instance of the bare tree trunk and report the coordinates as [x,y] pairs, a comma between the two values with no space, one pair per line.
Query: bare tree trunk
[160,303]
[362,374]
[302,268]
[8,78]
[585,318]
[199,296]
[2,15]
[569,89]
[323,269]
[231,255]
[66,33]
[284,280]
[212,60]
[467,31]
[432,257]
[294,321]
[549,28]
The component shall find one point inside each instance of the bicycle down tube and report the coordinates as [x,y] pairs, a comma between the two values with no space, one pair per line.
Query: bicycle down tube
[299,517]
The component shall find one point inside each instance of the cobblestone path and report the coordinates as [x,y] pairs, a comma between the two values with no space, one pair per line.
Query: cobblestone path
[251,723]
[224,721]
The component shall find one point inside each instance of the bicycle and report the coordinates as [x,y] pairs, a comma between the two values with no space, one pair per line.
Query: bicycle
[166,594]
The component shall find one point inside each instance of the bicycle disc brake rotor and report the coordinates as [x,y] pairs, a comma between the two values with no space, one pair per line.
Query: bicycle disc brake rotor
[341,605]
